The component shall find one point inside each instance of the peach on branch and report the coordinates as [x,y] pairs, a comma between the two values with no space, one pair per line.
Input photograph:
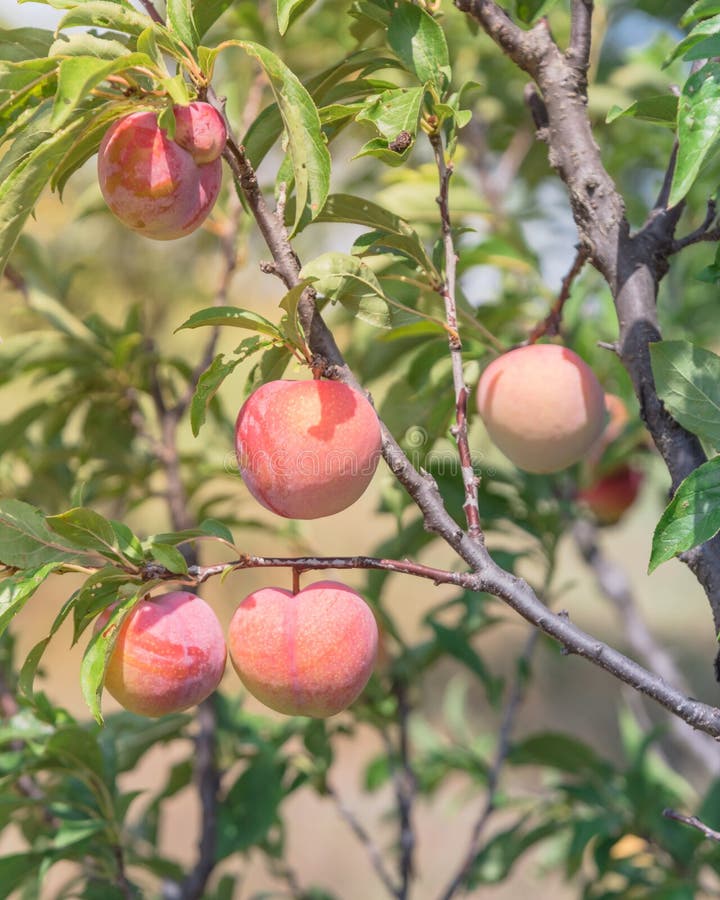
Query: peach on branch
[542,406]
[304,654]
[611,495]
[159,187]
[307,449]
[169,654]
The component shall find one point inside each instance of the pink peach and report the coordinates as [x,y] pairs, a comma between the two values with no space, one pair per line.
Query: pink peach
[307,448]
[304,654]
[612,494]
[151,183]
[542,406]
[200,129]
[169,655]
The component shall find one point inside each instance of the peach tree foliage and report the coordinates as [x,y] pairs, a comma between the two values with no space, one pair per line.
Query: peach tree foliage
[410,102]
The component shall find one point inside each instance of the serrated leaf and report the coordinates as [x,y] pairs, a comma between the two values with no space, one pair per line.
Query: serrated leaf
[692,516]
[170,557]
[105,14]
[25,539]
[16,590]
[394,112]
[698,127]
[661,110]
[306,144]
[290,10]
[21,187]
[420,43]
[687,379]
[348,280]
[181,21]
[86,529]
[211,379]
[78,75]
[233,316]
[699,10]
[98,652]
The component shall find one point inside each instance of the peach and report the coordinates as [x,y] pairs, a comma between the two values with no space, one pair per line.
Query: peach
[169,655]
[307,449]
[304,654]
[612,494]
[155,185]
[542,406]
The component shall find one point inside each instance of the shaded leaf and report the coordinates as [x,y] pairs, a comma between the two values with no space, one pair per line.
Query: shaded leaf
[348,280]
[170,557]
[420,43]
[25,539]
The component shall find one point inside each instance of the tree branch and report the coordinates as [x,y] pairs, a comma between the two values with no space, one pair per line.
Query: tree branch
[693,822]
[447,290]
[551,323]
[578,53]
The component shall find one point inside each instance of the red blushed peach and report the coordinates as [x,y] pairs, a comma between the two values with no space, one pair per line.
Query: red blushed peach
[199,129]
[151,183]
[542,406]
[307,448]
[169,655]
[304,654]
[611,495]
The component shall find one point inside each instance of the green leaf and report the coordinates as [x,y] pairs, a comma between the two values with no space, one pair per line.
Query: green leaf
[78,746]
[706,29]
[98,652]
[211,379]
[207,12]
[84,43]
[105,14]
[78,75]
[88,530]
[24,43]
[661,110]
[99,591]
[21,186]
[181,21]
[394,112]
[306,143]
[250,807]
[232,315]
[32,661]
[290,10]
[346,279]
[16,869]
[687,378]
[23,86]
[16,590]
[73,831]
[692,516]
[25,539]
[456,644]
[698,127]
[420,43]
[700,10]
[170,557]
[290,324]
[529,11]
[557,751]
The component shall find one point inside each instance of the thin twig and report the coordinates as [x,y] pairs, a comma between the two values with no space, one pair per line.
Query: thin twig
[550,325]
[447,290]
[150,9]
[405,789]
[693,822]
[366,839]
[515,699]
[703,233]
[664,194]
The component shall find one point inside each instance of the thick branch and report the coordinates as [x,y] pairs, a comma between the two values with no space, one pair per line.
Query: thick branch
[632,265]
[578,53]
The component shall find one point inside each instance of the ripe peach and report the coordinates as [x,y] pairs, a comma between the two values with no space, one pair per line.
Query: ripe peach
[542,406]
[169,655]
[304,654]
[611,495]
[162,188]
[307,449]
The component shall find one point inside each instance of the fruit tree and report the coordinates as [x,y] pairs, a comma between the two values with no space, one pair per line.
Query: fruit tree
[361,409]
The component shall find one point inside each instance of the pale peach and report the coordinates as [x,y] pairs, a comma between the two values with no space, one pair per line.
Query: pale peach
[304,654]
[542,406]
[151,183]
[169,655]
[307,449]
